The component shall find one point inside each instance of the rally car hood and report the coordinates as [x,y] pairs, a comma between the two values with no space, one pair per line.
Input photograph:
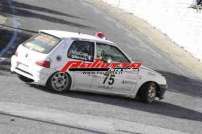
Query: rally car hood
[150,70]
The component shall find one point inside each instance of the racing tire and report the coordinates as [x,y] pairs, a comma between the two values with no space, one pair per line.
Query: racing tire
[148,92]
[59,82]
[25,79]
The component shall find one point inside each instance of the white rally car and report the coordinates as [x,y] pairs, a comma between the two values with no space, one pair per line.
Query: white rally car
[39,60]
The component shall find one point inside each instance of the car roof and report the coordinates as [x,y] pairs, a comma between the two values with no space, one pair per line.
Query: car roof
[65,34]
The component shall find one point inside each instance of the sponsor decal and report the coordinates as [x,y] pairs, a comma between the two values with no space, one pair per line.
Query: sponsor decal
[99,68]
[97,65]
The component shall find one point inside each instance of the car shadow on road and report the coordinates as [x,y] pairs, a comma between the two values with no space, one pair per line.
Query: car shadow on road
[183,84]
[25,10]
[158,107]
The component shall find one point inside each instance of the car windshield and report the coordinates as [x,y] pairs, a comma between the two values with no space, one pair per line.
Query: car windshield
[42,43]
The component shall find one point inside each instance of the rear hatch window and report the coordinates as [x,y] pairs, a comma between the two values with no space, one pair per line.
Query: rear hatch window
[42,43]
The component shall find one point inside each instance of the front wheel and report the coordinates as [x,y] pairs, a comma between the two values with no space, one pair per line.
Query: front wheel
[59,82]
[148,92]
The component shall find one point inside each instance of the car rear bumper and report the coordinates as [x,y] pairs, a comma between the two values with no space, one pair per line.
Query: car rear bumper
[37,74]
[161,91]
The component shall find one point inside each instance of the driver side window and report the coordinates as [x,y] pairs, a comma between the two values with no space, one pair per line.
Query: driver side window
[81,50]
[105,52]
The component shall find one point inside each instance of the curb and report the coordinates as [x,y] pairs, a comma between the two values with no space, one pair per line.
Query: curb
[80,121]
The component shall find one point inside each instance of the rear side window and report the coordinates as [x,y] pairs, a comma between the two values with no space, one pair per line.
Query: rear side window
[42,43]
[81,50]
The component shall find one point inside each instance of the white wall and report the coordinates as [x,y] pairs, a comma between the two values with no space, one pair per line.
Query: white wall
[173,17]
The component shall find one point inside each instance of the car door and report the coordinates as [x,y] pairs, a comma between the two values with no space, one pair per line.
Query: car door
[115,82]
[81,50]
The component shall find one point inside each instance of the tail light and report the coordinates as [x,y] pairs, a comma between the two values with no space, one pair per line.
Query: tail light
[44,63]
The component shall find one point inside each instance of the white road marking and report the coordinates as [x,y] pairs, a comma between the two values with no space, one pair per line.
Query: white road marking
[89,122]
[2,19]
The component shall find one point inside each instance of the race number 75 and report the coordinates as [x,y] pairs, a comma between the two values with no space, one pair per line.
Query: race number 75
[109,79]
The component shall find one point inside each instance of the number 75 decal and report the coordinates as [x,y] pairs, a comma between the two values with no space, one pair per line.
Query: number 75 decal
[109,79]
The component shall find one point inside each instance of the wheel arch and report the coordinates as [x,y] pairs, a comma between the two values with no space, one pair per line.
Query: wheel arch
[143,84]
[47,82]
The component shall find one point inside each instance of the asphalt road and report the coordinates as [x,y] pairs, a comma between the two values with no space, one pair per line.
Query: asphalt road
[15,125]
[182,108]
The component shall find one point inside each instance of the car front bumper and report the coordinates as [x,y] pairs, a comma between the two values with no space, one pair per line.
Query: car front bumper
[161,91]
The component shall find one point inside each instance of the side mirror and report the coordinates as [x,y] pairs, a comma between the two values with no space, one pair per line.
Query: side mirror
[133,59]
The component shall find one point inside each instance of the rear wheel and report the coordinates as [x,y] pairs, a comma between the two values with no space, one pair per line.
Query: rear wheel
[59,82]
[148,92]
